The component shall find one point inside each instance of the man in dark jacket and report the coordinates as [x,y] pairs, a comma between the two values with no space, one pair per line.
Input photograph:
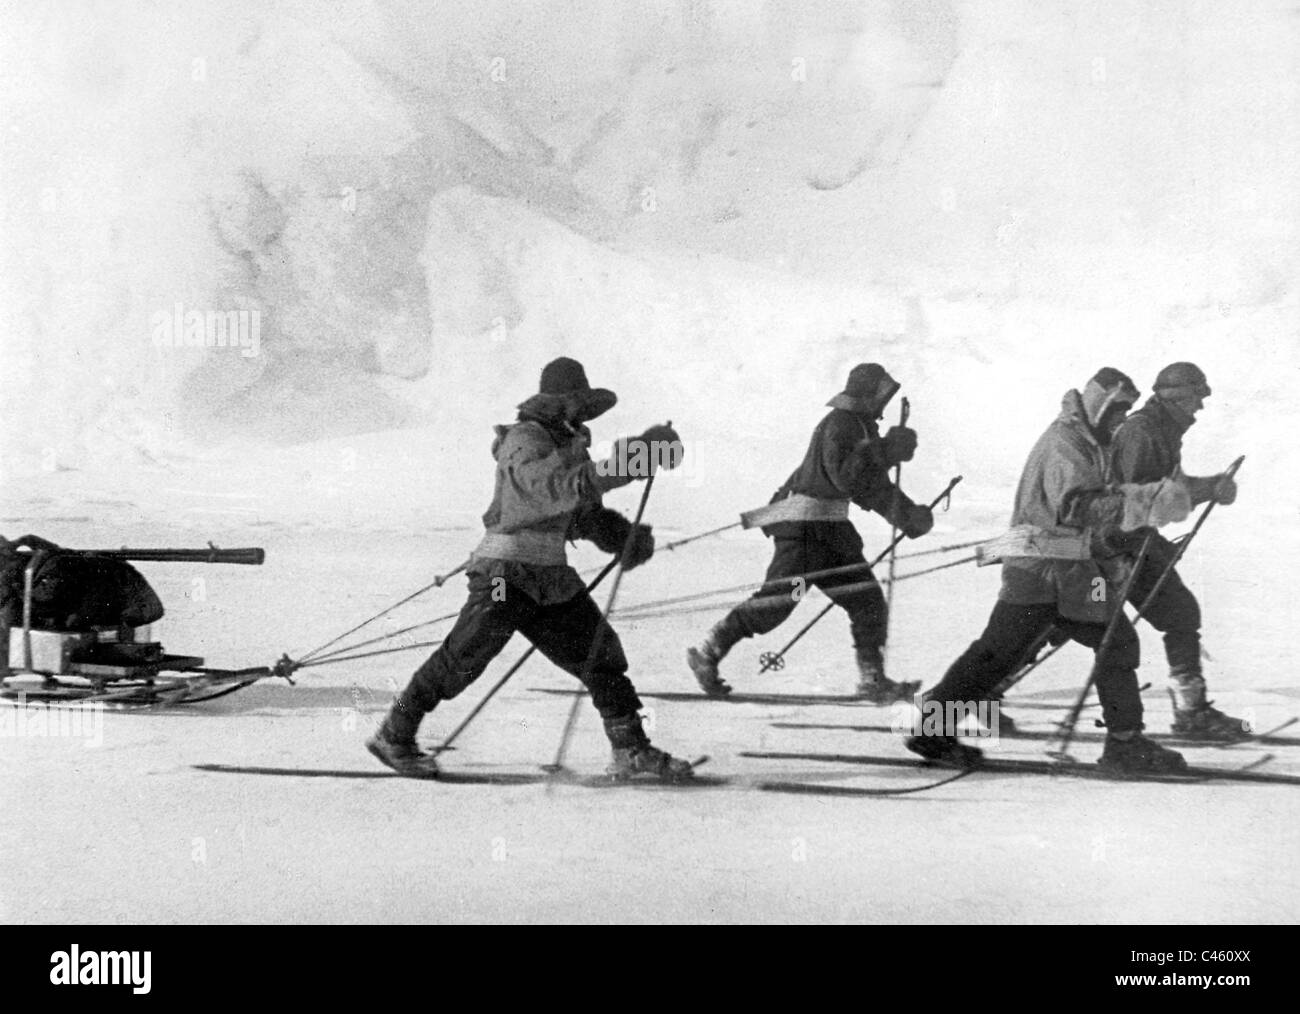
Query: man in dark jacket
[548,490]
[847,462]
[1061,570]
[1149,447]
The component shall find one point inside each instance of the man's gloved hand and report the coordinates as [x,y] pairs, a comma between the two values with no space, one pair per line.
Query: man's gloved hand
[663,447]
[1220,488]
[1198,490]
[608,529]
[1225,489]
[640,457]
[642,547]
[899,444]
[915,520]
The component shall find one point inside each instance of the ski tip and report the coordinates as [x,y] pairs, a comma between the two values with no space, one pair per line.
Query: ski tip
[1258,762]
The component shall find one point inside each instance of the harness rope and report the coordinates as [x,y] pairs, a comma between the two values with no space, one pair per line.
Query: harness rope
[653,609]
[645,610]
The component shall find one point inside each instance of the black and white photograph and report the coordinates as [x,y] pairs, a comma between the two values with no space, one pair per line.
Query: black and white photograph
[650,462]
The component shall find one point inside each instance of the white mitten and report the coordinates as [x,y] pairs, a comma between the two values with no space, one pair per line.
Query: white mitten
[1154,504]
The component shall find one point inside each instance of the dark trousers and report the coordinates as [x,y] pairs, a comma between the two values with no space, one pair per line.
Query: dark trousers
[1003,647]
[815,547]
[564,632]
[1175,611]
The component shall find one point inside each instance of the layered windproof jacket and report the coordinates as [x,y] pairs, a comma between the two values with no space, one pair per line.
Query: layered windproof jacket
[1149,444]
[1148,447]
[845,463]
[1068,510]
[548,491]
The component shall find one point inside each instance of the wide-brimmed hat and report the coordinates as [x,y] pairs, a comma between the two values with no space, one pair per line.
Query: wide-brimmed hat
[564,385]
[1178,377]
[867,390]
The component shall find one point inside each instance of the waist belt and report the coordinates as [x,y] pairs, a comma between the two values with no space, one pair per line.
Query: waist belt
[796,507]
[543,549]
[1030,541]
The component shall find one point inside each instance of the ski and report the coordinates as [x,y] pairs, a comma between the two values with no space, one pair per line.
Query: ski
[1069,769]
[446,777]
[699,697]
[503,778]
[1267,738]
[814,789]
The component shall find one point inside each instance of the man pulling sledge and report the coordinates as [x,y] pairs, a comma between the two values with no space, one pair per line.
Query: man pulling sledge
[548,490]
[847,462]
[1062,567]
[1149,447]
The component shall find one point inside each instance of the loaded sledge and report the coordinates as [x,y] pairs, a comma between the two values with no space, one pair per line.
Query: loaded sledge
[75,626]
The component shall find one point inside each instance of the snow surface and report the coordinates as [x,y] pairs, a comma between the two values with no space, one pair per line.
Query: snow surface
[142,835]
[427,202]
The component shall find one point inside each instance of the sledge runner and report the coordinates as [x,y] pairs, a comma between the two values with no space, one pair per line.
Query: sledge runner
[1148,447]
[548,490]
[847,462]
[1065,574]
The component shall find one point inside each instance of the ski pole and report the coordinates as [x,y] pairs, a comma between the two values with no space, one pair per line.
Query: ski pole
[702,535]
[442,579]
[1029,661]
[1067,727]
[776,660]
[1181,544]
[557,765]
[949,548]
[451,738]
[904,412]
[1184,543]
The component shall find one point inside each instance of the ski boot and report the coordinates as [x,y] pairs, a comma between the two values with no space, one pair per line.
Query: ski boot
[1209,724]
[403,756]
[874,686]
[1137,755]
[393,744]
[946,750]
[634,756]
[704,660]
[1194,716]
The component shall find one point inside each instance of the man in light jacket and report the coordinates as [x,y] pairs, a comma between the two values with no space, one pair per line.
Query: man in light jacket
[548,490]
[1062,572]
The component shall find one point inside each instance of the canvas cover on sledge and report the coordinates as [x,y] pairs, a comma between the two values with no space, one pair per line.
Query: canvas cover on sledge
[78,592]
